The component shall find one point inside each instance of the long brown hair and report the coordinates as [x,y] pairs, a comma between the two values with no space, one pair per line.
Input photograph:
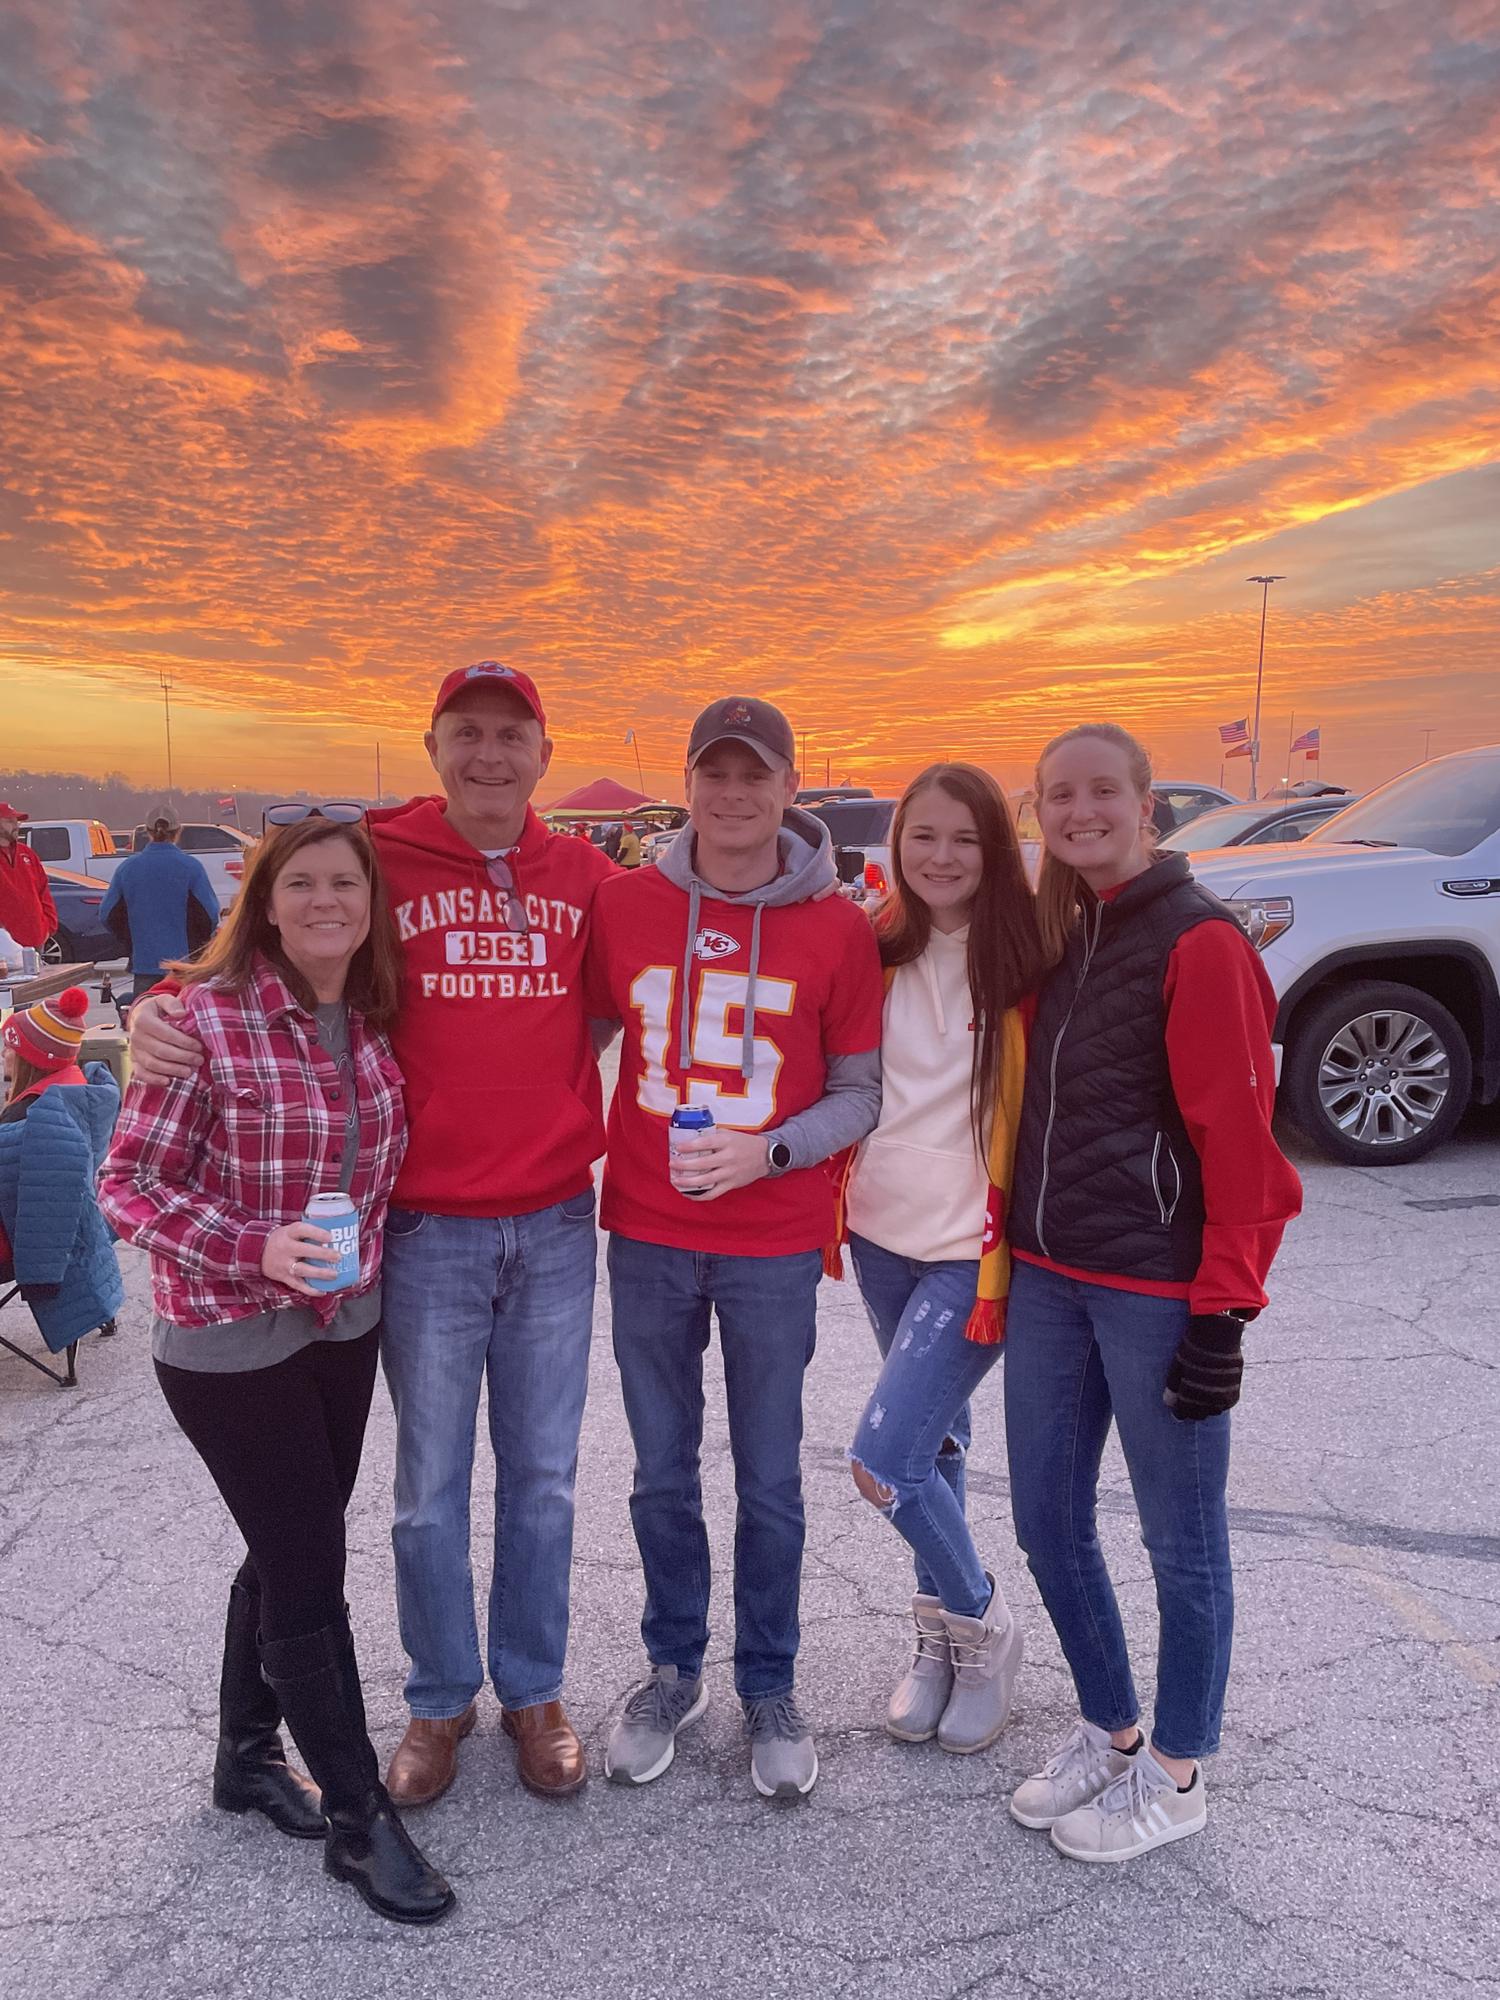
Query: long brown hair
[23,1075]
[1059,889]
[374,983]
[1005,958]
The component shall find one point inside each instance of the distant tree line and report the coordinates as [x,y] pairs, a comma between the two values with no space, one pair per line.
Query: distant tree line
[120,804]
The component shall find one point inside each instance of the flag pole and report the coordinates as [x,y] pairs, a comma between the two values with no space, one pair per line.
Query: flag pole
[1291,737]
[1265,583]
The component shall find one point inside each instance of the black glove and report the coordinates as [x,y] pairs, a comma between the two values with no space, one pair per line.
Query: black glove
[1203,1376]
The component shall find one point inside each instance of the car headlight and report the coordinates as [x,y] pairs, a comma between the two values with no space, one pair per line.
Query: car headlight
[1263,918]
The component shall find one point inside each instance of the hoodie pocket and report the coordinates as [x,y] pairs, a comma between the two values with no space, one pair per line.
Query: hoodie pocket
[505,1147]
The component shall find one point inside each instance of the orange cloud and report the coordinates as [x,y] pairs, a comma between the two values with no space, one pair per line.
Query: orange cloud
[940,374]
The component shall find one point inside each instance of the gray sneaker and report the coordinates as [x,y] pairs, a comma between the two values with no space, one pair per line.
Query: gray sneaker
[916,1708]
[1135,1812]
[986,1662]
[783,1759]
[1083,1764]
[644,1740]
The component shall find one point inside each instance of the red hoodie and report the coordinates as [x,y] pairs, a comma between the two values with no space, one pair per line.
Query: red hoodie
[502,1089]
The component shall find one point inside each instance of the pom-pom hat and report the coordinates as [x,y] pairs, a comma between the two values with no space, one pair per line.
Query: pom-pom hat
[50,1034]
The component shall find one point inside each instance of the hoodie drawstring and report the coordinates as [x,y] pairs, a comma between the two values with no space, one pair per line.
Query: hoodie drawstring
[934,991]
[747,1039]
[685,1048]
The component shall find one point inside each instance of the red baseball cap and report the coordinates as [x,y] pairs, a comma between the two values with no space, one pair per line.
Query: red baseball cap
[12,812]
[493,672]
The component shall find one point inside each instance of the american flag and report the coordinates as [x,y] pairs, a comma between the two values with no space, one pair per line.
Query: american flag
[1235,732]
[1310,741]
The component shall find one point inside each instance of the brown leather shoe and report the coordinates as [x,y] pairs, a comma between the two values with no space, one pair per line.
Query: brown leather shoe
[549,1756]
[426,1759]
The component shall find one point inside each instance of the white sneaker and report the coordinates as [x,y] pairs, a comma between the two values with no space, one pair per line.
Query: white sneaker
[1077,1771]
[1135,1812]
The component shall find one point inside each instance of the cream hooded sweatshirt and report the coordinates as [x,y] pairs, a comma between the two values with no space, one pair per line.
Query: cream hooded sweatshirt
[918,1187]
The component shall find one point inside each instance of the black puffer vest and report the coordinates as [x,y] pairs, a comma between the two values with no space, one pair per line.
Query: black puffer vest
[1106,1177]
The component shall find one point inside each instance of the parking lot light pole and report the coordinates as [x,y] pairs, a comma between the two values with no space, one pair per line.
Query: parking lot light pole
[1265,583]
[166,696]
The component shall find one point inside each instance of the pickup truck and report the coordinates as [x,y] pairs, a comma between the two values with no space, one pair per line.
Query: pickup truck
[89,848]
[224,851]
[84,845]
[1381,934]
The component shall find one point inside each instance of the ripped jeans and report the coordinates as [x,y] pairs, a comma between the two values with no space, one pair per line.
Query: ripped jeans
[914,1433]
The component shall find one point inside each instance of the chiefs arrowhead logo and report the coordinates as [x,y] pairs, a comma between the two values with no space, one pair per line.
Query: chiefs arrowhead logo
[714,944]
[488,669]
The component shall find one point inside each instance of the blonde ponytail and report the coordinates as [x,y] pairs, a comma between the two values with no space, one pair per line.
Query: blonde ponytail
[1059,888]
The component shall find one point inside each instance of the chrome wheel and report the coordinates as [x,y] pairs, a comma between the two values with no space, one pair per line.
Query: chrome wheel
[1385,1077]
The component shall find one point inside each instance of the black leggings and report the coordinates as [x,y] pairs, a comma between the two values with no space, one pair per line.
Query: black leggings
[282,1445]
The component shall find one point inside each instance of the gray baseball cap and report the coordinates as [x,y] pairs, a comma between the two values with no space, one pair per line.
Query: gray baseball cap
[741,718]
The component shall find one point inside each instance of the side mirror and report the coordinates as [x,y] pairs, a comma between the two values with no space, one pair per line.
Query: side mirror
[850,862]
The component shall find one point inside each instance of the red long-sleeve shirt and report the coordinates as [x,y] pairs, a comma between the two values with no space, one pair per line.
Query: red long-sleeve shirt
[1220,1011]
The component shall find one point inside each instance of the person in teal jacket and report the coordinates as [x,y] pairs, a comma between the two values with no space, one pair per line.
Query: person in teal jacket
[54,1132]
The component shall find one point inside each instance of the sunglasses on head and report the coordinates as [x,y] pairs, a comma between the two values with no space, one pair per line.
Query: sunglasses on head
[342,812]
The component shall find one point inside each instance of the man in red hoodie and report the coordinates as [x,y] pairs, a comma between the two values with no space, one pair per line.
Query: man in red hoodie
[489,1245]
[26,907]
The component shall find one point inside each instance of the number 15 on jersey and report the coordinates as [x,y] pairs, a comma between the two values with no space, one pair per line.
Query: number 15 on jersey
[712,1044]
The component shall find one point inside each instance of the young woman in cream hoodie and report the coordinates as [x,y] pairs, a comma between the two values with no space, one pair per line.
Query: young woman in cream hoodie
[925,1213]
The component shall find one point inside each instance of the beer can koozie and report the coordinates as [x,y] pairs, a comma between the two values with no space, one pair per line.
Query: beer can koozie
[688,1121]
[337,1214]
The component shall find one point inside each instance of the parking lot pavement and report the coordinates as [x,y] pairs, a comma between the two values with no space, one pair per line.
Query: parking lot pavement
[1352,1848]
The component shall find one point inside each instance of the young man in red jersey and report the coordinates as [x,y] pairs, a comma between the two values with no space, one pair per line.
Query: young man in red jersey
[744,987]
[489,1245]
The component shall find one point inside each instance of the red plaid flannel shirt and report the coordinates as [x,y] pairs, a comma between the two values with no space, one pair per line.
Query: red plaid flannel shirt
[201,1171]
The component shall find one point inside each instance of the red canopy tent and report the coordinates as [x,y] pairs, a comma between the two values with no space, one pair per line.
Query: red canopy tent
[602,796]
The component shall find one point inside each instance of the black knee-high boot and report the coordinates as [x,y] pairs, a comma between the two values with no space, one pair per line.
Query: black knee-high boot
[251,1773]
[316,1679]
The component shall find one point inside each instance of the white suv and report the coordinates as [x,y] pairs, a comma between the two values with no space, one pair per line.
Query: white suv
[1381,933]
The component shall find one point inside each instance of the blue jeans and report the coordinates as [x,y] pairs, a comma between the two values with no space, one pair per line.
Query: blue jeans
[914,1434]
[768,1322]
[509,1300]
[1077,1356]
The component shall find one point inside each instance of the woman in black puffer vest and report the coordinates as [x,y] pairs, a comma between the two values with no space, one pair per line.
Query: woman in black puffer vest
[1150,1198]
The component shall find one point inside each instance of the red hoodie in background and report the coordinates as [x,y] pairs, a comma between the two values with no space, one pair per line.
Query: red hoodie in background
[502,1089]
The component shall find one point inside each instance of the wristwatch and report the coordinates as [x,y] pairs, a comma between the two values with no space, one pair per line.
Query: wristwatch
[778,1156]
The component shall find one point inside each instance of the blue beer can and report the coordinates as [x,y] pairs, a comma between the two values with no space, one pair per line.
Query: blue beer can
[688,1121]
[337,1214]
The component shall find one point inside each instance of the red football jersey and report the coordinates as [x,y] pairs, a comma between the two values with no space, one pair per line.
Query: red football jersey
[818,993]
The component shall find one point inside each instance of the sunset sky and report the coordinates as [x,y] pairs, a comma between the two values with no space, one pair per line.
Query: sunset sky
[939,370]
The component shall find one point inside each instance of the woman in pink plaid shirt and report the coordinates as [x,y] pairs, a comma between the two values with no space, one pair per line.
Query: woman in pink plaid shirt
[268,1376]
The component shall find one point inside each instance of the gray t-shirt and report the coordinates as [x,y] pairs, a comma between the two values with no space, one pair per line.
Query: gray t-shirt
[266,1338]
